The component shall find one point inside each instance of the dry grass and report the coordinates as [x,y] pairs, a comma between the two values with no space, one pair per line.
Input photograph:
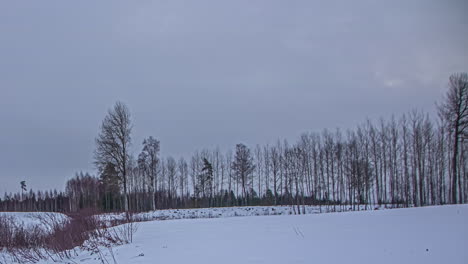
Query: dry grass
[58,239]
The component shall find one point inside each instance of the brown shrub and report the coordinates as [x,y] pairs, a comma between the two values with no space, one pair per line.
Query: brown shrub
[84,229]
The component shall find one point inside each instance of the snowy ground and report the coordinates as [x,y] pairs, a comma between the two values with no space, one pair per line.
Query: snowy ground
[416,235]
[34,219]
[218,212]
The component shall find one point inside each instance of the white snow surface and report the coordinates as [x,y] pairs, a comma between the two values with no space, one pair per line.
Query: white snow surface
[416,235]
[218,212]
[34,219]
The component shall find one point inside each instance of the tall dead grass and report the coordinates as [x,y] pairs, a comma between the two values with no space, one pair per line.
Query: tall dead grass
[58,239]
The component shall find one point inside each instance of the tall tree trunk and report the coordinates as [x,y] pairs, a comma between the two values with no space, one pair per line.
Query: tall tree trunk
[454,165]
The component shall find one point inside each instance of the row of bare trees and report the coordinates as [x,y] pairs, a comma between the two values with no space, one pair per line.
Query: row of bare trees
[412,160]
[31,201]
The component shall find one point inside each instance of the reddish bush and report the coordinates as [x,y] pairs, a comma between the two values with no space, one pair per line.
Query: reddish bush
[83,229]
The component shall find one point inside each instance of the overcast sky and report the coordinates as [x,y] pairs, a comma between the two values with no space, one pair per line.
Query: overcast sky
[201,74]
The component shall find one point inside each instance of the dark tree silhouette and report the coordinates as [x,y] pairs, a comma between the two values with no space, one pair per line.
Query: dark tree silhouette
[454,110]
[113,144]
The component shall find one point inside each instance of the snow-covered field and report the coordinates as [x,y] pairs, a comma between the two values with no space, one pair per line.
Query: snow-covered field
[218,212]
[34,219]
[415,235]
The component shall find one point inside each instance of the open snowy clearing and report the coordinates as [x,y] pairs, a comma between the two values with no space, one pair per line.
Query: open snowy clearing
[416,235]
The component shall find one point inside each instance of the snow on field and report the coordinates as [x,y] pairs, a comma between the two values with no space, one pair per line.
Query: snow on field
[33,219]
[416,235]
[218,212]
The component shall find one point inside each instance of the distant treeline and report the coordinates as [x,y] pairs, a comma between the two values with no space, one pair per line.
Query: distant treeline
[413,160]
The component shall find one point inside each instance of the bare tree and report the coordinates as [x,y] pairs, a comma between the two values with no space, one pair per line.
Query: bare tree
[266,166]
[275,164]
[259,168]
[183,178]
[454,110]
[243,167]
[172,183]
[149,159]
[113,142]
[229,176]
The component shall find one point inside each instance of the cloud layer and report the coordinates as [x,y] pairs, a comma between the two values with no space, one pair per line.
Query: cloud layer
[209,73]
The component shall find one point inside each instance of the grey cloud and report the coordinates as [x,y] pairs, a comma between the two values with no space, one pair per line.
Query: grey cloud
[210,73]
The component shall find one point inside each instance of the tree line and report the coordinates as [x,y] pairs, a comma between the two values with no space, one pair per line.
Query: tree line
[412,160]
